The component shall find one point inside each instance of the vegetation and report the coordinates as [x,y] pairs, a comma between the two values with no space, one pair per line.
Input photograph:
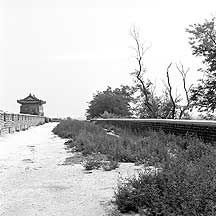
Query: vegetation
[141,99]
[110,165]
[88,138]
[184,186]
[115,102]
[97,160]
[203,44]
[179,174]
[148,103]
[93,161]
[71,128]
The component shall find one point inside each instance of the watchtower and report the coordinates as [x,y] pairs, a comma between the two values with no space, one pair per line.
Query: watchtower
[31,105]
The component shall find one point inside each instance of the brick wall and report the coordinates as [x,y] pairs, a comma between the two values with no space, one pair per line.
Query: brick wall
[10,123]
[205,130]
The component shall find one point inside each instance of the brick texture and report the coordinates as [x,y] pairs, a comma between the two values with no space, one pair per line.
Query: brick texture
[206,130]
[10,123]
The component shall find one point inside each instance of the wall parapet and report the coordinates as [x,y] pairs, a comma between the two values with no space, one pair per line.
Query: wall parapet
[10,122]
[204,129]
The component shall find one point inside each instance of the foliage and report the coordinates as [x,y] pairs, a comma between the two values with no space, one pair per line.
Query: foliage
[161,105]
[91,164]
[186,185]
[180,181]
[203,44]
[71,128]
[93,161]
[151,148]
[89,138]
[207,116]
[115,102]
[110,165]
[106,115]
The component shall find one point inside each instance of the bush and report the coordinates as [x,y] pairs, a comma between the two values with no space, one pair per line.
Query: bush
[186,185]
[71,128]
[106,115]
[110,165]
[89,138]
[92,163]
[151,148]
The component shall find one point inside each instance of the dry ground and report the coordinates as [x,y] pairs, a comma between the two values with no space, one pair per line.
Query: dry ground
[39,178]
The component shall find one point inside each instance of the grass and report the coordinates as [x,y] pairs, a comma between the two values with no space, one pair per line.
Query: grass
[92,162]
[150,148]
[71,128]
[184,184]
[88,138]
[183,187]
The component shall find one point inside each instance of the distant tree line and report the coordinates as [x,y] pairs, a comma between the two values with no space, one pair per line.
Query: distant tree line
[141,99]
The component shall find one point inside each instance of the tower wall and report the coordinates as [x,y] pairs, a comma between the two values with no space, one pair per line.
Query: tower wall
[32,109]
[31,105]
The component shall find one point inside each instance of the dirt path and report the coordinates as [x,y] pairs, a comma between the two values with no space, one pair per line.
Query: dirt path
[33,181]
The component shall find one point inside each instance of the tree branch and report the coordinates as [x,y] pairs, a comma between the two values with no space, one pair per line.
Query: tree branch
[184,74]
[140,51]
[213,40]
[170,92]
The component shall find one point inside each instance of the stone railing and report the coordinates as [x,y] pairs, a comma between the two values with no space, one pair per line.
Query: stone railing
[10,123]
[204,129]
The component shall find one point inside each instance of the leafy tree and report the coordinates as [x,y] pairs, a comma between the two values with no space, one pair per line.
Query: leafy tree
[115,102]
[203,44]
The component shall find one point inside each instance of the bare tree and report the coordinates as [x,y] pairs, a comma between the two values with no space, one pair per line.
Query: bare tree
[183,73]
[175,102]
[152,104]
[169,88]
[140,50]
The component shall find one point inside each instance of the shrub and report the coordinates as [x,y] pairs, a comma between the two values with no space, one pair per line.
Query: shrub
[150,148]
[71,128]
[91,164]
[110,165]
[71,145]
[184,183]
[93,161]
[106,115]
[185,186]
[89,138]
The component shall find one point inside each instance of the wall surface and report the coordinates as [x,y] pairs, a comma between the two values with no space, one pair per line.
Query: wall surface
[10,123]
[205,130]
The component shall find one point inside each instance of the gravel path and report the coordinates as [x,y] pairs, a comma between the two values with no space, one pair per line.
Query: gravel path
[34,181]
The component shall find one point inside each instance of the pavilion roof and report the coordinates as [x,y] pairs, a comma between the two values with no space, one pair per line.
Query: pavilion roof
[31,99]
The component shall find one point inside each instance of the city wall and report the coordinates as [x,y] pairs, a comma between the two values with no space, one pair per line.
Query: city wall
[10,123]
[205,130]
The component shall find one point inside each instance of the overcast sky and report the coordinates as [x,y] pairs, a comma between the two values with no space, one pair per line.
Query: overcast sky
[63,51]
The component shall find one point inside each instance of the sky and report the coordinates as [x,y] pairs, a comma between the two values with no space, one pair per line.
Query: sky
[63,51]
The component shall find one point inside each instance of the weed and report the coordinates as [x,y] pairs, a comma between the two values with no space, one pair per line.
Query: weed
[184,184]
[93,161]
[110,165]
